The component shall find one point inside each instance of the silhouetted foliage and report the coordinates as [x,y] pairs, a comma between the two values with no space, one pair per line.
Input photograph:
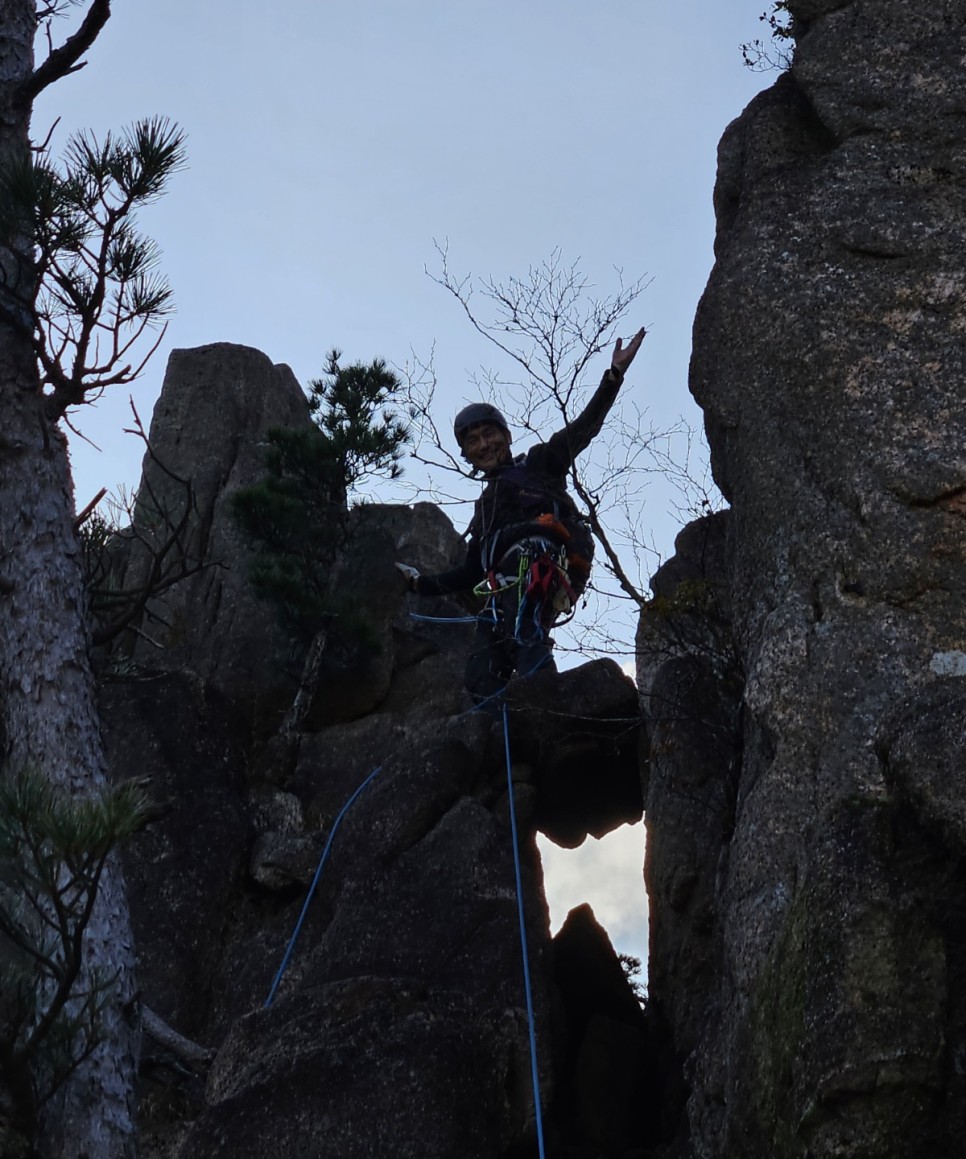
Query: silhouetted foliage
[297,515]
[92,287]
[52,854]
[633,968]
[761,56]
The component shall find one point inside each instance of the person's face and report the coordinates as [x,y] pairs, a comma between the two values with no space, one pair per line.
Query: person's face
[486,446]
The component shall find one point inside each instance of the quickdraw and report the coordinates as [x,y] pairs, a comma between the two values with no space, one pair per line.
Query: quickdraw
[548,582]
[543,581]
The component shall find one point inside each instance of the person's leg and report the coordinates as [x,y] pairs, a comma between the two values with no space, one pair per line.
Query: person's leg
[534,647]
[490,662]
[532,638]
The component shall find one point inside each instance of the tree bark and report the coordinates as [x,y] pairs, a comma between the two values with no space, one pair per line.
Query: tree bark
[48,717]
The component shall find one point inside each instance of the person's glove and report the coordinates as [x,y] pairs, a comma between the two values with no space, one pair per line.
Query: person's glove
[410,574]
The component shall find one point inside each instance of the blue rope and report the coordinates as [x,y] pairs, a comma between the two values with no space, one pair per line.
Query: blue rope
[523,941]
[490,610]
[444,619]
[312,887]
[534,1073]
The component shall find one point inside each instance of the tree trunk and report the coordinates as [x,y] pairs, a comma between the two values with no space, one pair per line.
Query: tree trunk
[48,718]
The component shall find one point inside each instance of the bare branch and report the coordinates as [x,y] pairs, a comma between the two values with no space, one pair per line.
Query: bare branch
[65,59]
[84,515]
[167,555]
[45,144]
[551,325]
[617,569]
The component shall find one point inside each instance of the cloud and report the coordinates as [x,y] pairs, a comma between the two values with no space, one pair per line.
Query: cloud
[609,874]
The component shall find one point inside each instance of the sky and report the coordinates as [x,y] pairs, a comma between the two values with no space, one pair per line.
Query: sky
[332,146]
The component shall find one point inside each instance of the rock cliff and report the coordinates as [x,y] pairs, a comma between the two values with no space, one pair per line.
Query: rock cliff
[805,862]
[399,1026]
[801,667]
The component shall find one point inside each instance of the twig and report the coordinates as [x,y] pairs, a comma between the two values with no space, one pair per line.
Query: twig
[83,516]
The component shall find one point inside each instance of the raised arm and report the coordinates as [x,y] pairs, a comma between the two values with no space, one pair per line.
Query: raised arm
[563,447]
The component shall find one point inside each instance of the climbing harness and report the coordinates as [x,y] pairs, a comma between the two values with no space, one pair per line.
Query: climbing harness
[542,582]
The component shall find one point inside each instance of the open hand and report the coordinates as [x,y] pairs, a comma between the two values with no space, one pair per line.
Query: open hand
[623,357]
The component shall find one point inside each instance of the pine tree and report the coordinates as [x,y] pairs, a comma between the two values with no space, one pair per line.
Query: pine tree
[297,515]
[53,854]
[70,302]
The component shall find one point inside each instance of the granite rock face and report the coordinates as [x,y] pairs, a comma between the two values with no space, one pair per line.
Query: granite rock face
[830,362]
[691,683]
[398,1025]
[208,428]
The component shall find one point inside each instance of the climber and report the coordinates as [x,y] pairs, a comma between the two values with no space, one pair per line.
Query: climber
[529,548]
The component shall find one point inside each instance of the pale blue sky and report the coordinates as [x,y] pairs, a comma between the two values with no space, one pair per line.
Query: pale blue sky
[331,143]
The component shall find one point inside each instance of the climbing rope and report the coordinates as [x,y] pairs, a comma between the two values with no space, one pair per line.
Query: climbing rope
[315,881]
[479,707]
[444,619]
[524,948]
[534,1075]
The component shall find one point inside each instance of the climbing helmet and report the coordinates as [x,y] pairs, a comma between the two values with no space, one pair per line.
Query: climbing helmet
[473,415]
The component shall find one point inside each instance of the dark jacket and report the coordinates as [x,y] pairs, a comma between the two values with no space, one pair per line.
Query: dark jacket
[517,493]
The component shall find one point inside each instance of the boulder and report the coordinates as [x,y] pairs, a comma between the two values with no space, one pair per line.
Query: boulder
[581,730]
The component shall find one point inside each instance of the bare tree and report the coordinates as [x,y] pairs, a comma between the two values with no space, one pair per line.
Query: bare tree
[146,546]
[551,326]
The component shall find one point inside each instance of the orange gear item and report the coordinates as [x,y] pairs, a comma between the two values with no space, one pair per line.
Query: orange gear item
[552,523]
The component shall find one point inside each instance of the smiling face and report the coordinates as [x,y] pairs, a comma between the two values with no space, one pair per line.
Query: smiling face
[486,446]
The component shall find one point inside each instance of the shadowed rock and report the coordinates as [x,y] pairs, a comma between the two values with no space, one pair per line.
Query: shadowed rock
[217,403]
[399,1023]
[823,1014]
[612,1097]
